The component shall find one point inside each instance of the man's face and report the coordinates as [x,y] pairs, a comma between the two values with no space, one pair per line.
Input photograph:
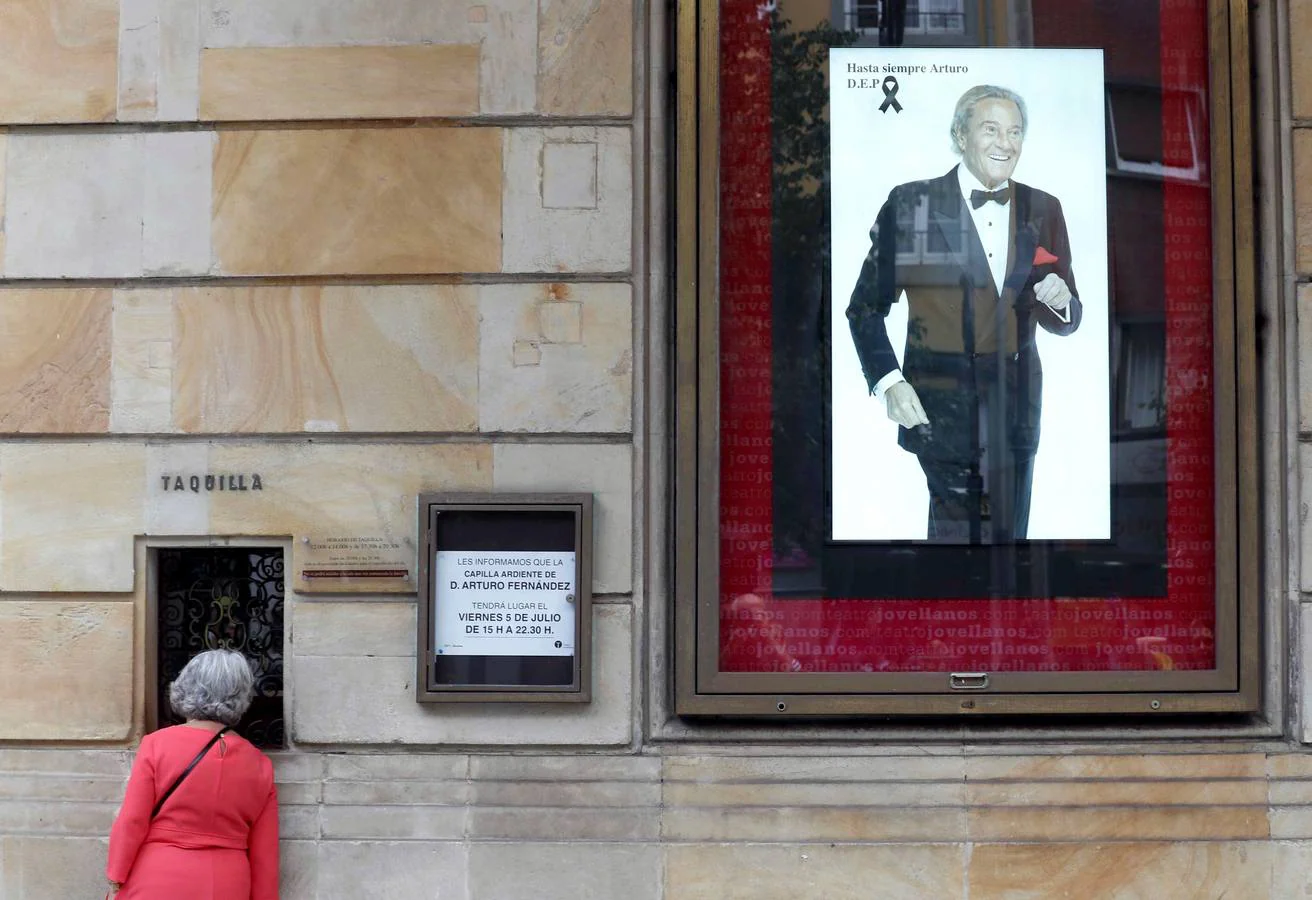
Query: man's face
[990,148]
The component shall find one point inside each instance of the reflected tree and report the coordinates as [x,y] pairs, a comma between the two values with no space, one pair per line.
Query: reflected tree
[800,254]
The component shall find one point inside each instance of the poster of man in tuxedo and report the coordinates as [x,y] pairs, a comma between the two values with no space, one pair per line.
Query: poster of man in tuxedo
[969,382]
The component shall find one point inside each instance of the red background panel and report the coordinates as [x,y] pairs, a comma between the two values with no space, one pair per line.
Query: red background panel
[764,633]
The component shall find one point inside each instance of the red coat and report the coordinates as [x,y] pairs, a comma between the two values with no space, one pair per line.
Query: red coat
[217,836]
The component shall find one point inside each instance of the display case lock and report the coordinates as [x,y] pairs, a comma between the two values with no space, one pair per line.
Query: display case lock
[969,681]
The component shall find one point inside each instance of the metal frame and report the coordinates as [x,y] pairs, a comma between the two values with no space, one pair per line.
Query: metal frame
[150,614]
[580,690]
[701,689]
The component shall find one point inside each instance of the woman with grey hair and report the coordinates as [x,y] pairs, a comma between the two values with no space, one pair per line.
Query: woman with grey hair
[200,816]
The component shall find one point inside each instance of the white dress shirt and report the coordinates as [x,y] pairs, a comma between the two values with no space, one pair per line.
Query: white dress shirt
[992,224]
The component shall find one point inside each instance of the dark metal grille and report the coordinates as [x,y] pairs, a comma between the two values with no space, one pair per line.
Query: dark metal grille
[230,599]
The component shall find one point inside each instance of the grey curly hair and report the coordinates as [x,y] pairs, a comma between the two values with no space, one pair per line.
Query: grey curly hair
[966,106]
[216,685]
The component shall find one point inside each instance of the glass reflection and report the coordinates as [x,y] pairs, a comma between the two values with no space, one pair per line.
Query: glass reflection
[793,598]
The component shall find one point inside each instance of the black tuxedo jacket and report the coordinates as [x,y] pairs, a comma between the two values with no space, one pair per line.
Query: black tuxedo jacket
[963,337]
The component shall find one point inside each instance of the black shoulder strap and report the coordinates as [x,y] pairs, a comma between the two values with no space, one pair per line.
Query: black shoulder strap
[187,771]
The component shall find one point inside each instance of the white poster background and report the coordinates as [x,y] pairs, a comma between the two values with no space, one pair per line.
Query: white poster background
[878,489]
[487,604]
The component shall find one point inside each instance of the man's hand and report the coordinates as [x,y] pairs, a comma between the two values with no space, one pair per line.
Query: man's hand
[904,406]
[1053,292]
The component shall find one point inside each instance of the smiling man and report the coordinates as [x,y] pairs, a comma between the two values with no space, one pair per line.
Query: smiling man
[983,261]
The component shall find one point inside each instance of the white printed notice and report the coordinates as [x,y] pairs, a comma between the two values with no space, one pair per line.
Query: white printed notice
[504,603]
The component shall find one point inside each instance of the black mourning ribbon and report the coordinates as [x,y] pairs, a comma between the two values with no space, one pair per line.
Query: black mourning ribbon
[1000,196]
[889,87]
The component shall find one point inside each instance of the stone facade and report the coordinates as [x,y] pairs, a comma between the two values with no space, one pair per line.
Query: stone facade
[947,823]
[374,249]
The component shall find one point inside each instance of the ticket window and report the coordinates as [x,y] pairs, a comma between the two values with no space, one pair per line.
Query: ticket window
[228,598]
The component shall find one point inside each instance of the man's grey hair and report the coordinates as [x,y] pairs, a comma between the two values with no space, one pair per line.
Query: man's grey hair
[216,685]
[972,98]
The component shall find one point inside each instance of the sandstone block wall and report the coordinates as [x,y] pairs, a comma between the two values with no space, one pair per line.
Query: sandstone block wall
[363,250]
[1296,274]
[910,823]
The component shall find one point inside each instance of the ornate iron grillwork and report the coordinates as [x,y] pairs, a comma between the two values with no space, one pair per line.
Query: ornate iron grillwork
[229,599]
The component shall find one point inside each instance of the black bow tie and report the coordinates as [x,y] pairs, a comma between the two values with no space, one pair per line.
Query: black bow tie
[1000,196]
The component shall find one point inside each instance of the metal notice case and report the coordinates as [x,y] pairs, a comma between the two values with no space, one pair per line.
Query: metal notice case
[505,598]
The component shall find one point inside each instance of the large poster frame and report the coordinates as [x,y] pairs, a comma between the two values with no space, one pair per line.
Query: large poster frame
[702,688]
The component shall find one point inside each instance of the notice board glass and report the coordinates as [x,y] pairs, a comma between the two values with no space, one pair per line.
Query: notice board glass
[505,599]
[965,358]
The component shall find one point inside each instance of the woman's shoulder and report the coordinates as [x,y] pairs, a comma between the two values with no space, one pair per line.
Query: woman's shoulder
[164,741]
[167,735]
[179,737]
[260,758]
[181,732]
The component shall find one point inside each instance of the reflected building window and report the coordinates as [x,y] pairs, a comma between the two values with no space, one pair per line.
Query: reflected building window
[914,21]
[1138,144]
[1141,400]
[863,15]
[936,17]
[917,243]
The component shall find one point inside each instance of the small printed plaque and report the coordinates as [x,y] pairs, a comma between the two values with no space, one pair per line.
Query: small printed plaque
[335,557]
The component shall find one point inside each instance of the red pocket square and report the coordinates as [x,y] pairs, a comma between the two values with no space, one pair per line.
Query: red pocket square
[1042,257]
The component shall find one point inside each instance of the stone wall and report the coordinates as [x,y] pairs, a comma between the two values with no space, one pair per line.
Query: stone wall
[362,250]
[365,250]
[373,249]
[933,824]
[1296,276]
